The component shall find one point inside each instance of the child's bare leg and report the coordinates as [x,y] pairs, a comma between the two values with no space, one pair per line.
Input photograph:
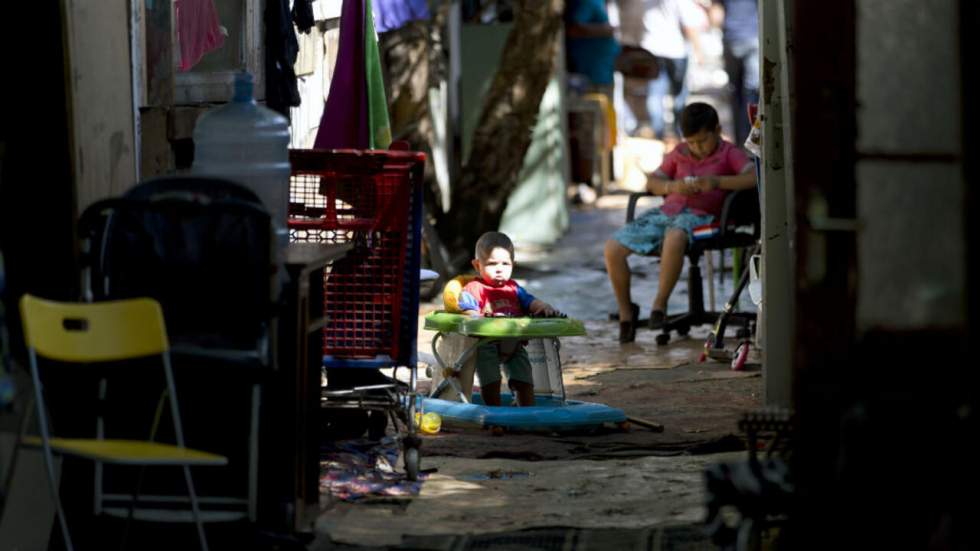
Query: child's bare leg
[671,263]
[524,392]
[491,393]
[619,277]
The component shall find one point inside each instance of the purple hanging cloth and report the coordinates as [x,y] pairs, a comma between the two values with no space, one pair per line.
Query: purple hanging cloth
[344,123]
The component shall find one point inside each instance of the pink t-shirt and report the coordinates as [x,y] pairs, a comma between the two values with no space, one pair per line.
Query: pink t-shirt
[727,160]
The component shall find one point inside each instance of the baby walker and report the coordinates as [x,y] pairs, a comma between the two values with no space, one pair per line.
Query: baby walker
[457,338]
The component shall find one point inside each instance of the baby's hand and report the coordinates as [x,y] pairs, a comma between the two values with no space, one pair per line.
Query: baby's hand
[549,312]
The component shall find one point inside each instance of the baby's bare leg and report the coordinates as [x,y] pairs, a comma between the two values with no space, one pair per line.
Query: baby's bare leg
[524,392]
[491,393]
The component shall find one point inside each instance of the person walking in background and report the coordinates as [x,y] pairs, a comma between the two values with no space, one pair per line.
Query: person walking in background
[668,26]
[590,43]
[739,22]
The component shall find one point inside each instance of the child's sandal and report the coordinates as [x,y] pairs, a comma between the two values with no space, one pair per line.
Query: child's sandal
[627,329]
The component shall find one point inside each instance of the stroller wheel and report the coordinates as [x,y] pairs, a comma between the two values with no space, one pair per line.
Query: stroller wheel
[683,330]
[663,338]
[412,463]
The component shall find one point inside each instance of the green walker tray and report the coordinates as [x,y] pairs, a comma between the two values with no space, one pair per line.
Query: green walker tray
[526,327]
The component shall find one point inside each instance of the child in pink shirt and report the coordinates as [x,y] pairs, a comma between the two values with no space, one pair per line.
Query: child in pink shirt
[694,179]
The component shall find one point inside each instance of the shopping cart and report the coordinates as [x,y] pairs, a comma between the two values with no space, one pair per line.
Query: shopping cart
[372,200]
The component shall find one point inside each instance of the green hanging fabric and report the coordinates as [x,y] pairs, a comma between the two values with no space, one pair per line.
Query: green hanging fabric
[379,129]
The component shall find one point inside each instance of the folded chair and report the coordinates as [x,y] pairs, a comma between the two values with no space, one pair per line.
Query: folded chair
[96,334]
[738,227]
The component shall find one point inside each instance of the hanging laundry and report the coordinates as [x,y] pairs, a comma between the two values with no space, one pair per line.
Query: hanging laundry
[281,49]
[303,15]
[392,15]
[198,30]
[356,111]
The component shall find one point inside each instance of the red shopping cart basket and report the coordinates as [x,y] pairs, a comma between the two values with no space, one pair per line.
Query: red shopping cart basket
[372,200]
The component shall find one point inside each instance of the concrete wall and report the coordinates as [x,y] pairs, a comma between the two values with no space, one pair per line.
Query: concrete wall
[911,191]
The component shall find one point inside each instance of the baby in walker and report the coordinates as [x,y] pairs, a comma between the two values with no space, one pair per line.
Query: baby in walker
[494,293]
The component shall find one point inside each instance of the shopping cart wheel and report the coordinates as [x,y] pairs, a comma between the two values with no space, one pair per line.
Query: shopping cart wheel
[412,463]
[663,338]
[739,357]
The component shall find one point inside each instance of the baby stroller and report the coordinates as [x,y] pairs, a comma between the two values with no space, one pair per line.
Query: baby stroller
[373,201]
[203,248]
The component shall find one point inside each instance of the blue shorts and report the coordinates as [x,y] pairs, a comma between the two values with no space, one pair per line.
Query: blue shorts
[488,362]
[645,234]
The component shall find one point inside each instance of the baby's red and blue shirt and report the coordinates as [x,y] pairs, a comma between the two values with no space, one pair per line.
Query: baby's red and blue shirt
[510,299]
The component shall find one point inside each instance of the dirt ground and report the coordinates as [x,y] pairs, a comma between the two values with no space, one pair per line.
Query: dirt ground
[609,478]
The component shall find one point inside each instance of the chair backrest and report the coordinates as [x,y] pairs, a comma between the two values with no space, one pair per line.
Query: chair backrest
[202,247]
[83,333]
[742,209]
[93,332]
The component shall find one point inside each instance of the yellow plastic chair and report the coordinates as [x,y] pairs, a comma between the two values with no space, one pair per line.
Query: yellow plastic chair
[97,333]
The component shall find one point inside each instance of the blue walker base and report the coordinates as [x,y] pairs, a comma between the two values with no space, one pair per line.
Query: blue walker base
[550,413]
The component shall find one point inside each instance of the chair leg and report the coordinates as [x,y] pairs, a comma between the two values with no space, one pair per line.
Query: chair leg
[53,485]
[253,454]
[195,508]
[42,422]
[709,272]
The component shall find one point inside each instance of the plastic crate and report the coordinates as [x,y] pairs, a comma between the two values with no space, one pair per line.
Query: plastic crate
[371,199]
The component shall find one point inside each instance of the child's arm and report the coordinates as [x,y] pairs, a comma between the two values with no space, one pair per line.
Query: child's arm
[468,304]
[659,184]
[744,180]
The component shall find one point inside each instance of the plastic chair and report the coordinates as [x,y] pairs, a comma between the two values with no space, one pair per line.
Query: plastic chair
[98,333]
[738,227]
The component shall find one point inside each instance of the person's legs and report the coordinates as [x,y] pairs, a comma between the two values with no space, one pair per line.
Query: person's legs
[671,263]
[678,90]
[488,369]
[619,277]
[520,377]
[742,66]
[658,88]
[750,83]
[490,393]
[635,96]
[524,392]
[734,69]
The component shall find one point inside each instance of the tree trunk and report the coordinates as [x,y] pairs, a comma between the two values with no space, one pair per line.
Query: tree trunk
[503,135]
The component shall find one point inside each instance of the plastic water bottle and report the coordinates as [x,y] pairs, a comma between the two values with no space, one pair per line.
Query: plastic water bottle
[249,144]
